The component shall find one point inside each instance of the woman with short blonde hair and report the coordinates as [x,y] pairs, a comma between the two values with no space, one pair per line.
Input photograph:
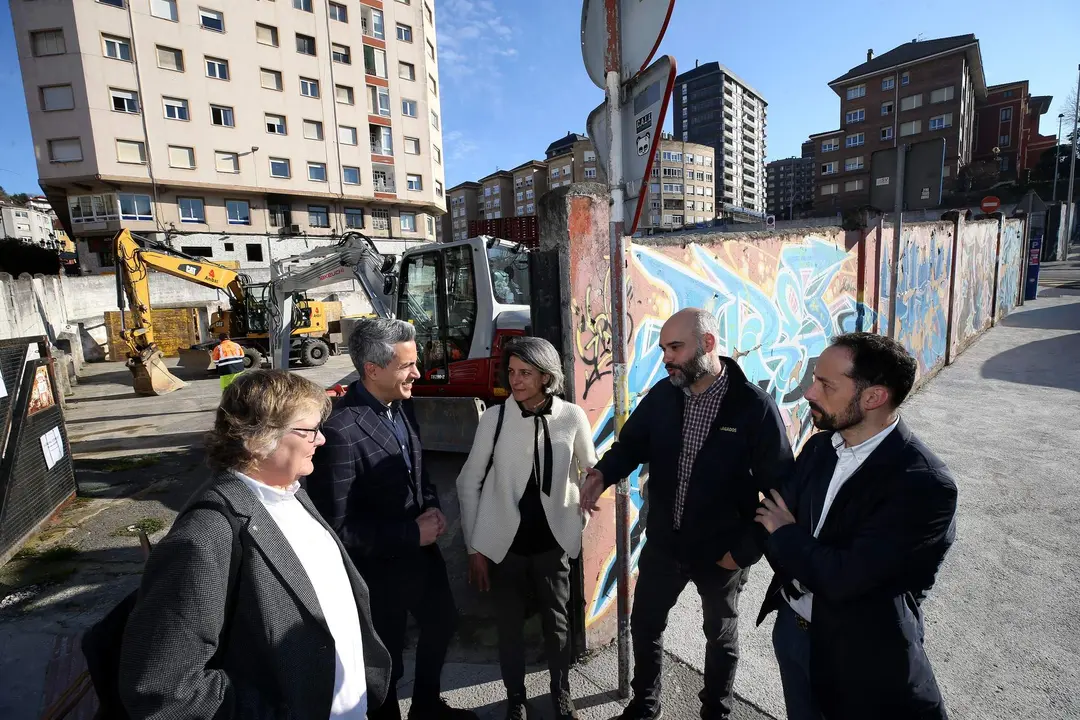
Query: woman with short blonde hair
[250,607]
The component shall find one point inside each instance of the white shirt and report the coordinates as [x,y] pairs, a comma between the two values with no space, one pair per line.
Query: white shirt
[848,460]
[321,559]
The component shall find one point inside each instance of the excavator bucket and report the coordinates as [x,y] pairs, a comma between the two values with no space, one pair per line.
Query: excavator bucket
[151,376]
[195,358]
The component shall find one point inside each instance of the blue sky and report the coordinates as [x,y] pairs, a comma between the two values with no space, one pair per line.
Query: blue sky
[513,80]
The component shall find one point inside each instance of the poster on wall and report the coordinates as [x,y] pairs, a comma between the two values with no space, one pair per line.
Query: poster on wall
[52,444]
[41,395]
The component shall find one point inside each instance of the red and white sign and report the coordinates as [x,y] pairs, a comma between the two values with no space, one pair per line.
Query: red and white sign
[642,24]
[990,204]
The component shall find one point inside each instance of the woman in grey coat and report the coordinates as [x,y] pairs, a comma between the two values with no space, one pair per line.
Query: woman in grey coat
[293,639]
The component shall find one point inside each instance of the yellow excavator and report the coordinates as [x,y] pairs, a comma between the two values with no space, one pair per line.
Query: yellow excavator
[246,320]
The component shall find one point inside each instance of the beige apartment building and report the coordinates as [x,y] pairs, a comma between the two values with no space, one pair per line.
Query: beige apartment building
[497,195]
[530,182]
[681,187]
[464,204]
[288,121]
[571,159]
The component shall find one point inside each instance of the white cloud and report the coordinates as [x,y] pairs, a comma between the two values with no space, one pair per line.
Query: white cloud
[474,40]
[458,147]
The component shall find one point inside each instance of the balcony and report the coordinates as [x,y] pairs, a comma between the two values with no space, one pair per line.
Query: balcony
[377,148]
[383,179]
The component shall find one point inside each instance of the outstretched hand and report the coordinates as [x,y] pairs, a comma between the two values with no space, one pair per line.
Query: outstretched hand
[591,491]
[774,513]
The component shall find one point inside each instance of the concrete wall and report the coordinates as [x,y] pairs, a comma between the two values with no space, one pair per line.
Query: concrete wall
[1009,269]
[922,292]
[32,306]
[973,293]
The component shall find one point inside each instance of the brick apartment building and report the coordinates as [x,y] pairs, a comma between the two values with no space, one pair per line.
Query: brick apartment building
[1008,119]
[916,92]
[790,186]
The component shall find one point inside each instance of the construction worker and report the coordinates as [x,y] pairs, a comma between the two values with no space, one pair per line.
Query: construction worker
[228,358]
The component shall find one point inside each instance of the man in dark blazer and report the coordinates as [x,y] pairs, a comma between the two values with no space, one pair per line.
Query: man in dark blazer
[856,538]
[713,440]
[371,486]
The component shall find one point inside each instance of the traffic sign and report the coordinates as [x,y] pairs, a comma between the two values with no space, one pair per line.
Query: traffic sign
[647,99]
[990,204]
[642,24]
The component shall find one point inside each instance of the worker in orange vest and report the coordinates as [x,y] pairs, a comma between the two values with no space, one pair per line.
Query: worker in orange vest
[228,358]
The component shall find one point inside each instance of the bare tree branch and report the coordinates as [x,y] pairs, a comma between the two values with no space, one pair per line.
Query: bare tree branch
[1068,109]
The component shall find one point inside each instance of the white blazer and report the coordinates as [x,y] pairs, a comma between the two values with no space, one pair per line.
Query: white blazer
[490,519]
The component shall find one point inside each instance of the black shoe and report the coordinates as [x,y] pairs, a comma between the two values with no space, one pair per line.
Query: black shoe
[517,708]
[439,710]
[564,706]
[635,711]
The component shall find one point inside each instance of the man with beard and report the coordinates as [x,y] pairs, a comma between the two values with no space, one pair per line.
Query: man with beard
[856,539]
[712,440]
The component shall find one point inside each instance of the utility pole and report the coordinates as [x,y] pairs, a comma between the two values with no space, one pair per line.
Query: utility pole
[894,271]
[1057,158]
[1071,213]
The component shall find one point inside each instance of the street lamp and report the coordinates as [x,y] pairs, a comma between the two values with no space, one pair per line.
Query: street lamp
[1057,156]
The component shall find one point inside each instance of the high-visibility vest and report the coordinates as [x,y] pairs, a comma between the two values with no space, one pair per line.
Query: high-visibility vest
[227,351]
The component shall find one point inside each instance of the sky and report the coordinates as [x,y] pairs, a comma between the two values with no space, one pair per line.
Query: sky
[513,80]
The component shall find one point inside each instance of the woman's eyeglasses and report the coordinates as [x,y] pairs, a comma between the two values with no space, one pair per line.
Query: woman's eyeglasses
[310,433]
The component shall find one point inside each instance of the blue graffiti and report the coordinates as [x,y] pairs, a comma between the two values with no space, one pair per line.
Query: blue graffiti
[922,297]
[1009,285]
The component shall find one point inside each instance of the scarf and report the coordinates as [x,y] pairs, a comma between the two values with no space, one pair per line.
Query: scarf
[540,416]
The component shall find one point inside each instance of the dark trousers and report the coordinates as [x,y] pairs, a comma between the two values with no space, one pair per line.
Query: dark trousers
[545,577]
[661,579]
[791,642]
[418,586]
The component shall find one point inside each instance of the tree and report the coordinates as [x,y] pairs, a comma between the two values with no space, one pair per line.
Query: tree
[20,198]
[1059,154]
[979,175]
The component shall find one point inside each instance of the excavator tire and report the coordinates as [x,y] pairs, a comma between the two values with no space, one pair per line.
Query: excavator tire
[150,374]
[314,353]
[253,359]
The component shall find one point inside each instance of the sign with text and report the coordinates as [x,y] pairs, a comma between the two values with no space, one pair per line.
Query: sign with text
[646,101]
[642,24]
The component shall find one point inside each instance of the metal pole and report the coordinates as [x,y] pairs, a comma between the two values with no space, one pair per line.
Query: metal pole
[1057,159]
[617,248]
[894,271]
[1071,212]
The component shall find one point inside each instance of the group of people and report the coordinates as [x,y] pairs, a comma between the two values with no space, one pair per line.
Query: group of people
[283,590]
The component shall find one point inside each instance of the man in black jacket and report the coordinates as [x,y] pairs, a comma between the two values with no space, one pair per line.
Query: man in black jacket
[371,486]
[856,539]
[712,440]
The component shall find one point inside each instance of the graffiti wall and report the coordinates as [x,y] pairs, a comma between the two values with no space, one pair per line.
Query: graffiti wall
[973,292]
[922,292]
[1012,250]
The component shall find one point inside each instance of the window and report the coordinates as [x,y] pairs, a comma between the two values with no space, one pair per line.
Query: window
[590,173]
[941,95]
[382,140]
[240,214]
[905,78]
[438,189]
[354,217]
[254,251]
[434,119]
[280,168]
[304,5]
[341,54]
[131,151]
[318,216]
[212,20]
[412,146]
[339,12]
[135,207]
[887,108]
[182,157]
[941,122]
[280,214]
[316,172]
[1006,114]
[48,42]
[275,124]
[350,175]
[197,250]
[828,168]
[855,163]
[408,108]
[305,44]
[436,153]
[375,61]
[408,222]
[887,133]
[1004,141]
[313,130]
[270,79]
[65,150]
[176,108]
[217,68]
[404,32]
[344,95]
[347,135]
[910,128]
[888,83]
[414,182]
[406,71]
[226,162]
[830,189]
[855,140]
[428,14]
[855,116]
[118,48]
[222,115]
[372,25]
[430,50]
[1004,163]
[853,185]
[309,87]
[530,208]
[164,9]
[57,97]
[856,92]
[378,100]
[192,210]
[830,145]
[911,102]
[126,101]
[266,34]
[170,59]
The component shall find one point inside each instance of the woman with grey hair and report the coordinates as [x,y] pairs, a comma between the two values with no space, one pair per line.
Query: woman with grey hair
[519,496]
[250,607]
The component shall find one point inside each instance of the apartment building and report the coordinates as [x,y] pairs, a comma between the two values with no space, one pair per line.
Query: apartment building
[288,122]
[571,159]
[464,204]
[791,187]
[530,182]
[681,187]
[714,107]
[919,91]
[29,224]
[1006,125]
[498,195]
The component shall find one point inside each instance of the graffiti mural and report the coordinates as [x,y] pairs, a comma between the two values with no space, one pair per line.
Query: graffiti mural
[922,292]
[1012,245]
[974,286]
[778,303]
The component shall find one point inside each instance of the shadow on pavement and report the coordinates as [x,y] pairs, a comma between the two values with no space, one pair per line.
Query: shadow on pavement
[1045,363]
[144,416]
[165,443]
[1056,317]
